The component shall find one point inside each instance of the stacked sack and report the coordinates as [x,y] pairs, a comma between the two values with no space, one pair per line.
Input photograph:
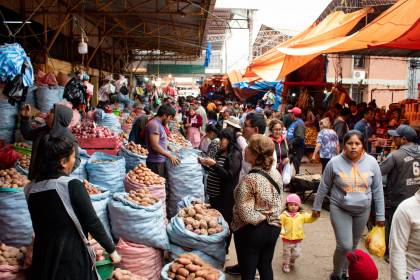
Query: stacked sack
[15,220]
[80,172]
[134,155]
[106,171]
[8,123]
[47,96]
[185,179]
[107,120]
[140,260]
[100,198]
[200,228]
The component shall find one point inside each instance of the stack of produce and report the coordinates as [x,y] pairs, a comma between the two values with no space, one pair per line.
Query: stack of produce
[91,189]
[185,179]
[190,266]
[141,260]
[10,178]
[23,163]
[91,130]
[198,227]
[121,274]
[177,142]
[141,221]
[310,136]
[11,262]
[134,155]
[143,177]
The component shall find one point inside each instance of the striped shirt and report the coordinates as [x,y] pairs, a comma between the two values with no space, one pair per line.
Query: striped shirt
[213,179]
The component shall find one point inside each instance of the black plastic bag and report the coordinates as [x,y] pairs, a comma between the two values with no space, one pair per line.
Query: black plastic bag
[124,90]
[75,92]
[15,90]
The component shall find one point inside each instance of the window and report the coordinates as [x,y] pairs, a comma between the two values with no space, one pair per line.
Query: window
[359,61]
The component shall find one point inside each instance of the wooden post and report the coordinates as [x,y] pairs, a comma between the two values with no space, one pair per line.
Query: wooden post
[45,47]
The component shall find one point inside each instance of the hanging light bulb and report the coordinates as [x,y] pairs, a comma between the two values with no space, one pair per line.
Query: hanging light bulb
[82,48]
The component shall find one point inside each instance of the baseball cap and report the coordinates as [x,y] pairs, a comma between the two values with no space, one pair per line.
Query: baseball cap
[296,111]
[404,131]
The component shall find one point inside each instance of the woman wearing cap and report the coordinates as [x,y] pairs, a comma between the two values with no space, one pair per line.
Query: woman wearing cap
[257,209]
[192,125]
[234,123]
[276,128]
[354,179]
[327,143]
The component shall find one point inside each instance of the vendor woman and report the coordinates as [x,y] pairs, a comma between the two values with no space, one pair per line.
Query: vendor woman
[62,216]
[192,126]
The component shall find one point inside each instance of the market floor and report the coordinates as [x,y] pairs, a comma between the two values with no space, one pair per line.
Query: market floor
[318,246]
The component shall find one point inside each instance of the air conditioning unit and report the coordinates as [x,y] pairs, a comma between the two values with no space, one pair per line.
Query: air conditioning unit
[359,75]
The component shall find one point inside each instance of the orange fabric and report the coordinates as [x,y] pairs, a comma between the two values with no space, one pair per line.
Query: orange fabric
[274,65]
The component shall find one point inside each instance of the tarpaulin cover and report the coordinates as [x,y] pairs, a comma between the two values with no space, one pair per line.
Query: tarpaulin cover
[246,89]
[12,56]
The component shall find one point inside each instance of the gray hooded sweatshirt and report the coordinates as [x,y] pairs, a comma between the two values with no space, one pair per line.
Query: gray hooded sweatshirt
[402,168]
[62,118]
[352,185]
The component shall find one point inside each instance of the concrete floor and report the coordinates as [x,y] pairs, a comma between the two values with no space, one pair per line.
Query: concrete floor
[318,246]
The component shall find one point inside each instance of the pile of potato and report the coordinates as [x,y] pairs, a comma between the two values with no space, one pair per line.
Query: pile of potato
[91,189]
[179,140]
[11,255]
[142,196]
[144,176]
[137,149]
[191,267]
[200,219]
[24,161]
[121,274]
[23,145]
[10,178]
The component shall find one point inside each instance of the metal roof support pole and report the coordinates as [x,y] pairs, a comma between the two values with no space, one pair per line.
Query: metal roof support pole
[45,45]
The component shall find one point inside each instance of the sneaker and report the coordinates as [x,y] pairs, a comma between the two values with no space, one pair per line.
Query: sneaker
[286,268]
[233,270]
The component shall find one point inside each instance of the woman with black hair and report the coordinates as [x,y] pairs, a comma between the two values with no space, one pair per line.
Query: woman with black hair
[62,216]
[224,174]
[354,179]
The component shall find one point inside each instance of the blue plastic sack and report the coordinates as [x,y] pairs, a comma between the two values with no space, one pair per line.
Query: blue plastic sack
[165,269]
[100,204]
[143,225]
[8,117]
[185,179]
[131,159]
[15,220]
[106,171]
[176,251]
[81,172]
[46,97]
[108,120]
[12,57]
[30,97]
[212,245]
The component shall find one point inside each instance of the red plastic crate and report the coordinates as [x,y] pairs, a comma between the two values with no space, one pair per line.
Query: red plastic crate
[98,143]
[112,152]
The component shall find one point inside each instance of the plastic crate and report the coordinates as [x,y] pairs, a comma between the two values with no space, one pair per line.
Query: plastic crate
[105,268]
[98,143]
[112,152]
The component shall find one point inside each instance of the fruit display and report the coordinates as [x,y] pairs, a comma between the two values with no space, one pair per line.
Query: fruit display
[179,140]
[91,130]
[201,219]
[10,178]
[23,145]
[142,196]
[143,175]
[137,149]
[123,136]
[91,189]
[121,274]
[190,266]
[310,136]
[24,161]
[11,256]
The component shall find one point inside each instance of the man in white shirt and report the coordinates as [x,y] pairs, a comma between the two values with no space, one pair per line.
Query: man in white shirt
[405,238]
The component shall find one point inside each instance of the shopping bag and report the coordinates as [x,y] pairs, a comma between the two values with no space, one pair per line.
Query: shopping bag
[287,173]
[375,241]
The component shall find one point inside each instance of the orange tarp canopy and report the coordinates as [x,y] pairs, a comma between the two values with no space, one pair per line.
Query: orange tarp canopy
[270,66]
[391,25]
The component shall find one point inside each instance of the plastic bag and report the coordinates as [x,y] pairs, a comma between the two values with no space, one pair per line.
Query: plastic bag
[100,204]
[185,179]
[140,260]
[108,120]
[213,245]
[8,123]
[165,269]
[415,275]
[75,92]
[30,97]
[375,241]
[139,224]
[46,97]
[81,172]
[131,159]
[106,171]
[287,174]
[15,220]
[8,157]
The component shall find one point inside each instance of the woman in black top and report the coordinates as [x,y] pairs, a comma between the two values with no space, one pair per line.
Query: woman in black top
[59,251]
[224,173]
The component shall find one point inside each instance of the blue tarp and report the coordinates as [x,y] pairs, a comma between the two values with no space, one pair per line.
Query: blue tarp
[262,86]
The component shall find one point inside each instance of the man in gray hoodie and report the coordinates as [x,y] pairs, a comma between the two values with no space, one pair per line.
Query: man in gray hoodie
[402,168]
